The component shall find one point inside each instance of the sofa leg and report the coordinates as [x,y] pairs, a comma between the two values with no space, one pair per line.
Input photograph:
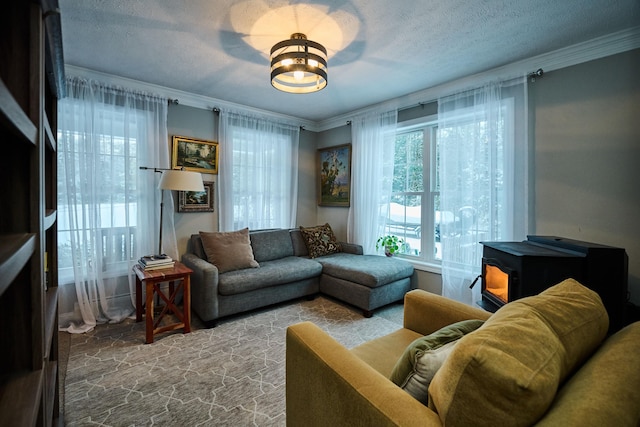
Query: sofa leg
[210,323]
[311,297]
[367,313]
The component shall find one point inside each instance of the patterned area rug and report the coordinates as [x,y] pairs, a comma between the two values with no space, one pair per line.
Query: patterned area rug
[230,375]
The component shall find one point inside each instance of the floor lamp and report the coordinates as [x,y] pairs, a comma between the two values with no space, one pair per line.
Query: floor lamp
[175,179]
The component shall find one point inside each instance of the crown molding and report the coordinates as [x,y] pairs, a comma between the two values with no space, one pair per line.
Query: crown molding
[183,98]
[597,48]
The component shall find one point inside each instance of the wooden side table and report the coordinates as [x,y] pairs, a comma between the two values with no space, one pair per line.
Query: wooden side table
[152,280]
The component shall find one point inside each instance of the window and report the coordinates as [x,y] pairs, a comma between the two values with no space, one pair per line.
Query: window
[413,213]
[107,207]
[114,185]
[482,146]
[475,152]
[260,182]
[476,197]
[258,172]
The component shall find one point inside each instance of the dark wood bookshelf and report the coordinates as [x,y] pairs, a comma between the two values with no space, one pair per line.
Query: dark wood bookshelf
[31,82]
[16,251]
[14,117]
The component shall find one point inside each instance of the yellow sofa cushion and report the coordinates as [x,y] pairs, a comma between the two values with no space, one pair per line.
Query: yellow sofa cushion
[508,371]
[382,353]
[600,392]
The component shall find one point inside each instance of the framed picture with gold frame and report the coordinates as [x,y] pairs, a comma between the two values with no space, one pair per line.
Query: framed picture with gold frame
[194,155]
[334,175]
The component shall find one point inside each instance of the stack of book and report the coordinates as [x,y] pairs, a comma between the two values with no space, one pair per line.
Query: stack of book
[155,262]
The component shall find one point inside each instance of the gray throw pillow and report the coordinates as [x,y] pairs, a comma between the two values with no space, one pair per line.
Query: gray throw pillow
[423,357]
[229,250]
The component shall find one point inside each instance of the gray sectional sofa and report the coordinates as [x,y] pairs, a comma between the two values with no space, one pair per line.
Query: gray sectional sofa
[287,272]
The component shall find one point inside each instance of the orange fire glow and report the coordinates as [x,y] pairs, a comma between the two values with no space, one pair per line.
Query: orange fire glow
[497,282]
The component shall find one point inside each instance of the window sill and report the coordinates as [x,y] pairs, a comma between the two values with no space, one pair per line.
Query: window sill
[424,266]
[66,275]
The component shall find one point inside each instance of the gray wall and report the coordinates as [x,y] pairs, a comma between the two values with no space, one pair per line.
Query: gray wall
[586,145]
[203,124]
[587,155]
[200,124]
[335,216]
[307,213]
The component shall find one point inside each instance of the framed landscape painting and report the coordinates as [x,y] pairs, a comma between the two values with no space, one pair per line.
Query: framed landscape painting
[194,155]
[334,173]
[196,201]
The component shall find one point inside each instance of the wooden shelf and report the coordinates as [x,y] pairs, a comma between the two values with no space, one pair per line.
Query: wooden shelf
[49,138]
[15,118]
[51,311]
[49,218]
[51,388]
[15,253]
[20,397]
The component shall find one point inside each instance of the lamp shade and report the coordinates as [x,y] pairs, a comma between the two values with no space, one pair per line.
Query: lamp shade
[181,180]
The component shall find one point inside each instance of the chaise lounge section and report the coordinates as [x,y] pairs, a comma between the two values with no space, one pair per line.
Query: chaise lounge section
[366,281]
[234,272]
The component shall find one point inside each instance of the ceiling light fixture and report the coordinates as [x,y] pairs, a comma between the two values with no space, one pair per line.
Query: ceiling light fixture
[298,65]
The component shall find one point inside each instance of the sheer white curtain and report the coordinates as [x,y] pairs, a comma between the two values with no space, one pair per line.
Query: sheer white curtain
[483,175]
[258,172]
[108,209]
[373,145]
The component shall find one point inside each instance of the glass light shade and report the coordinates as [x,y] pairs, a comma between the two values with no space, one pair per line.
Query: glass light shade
[181,180]
[298,65]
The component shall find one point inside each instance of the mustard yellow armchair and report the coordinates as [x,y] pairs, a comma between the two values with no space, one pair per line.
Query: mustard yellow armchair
[329,385]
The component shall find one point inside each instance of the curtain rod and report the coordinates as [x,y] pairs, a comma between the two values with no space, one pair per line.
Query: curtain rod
[538,73]
[531,76]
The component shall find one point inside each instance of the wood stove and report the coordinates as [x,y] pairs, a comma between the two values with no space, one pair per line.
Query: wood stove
[513,270]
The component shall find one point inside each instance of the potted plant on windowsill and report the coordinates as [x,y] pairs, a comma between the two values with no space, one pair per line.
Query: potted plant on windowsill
[391,244]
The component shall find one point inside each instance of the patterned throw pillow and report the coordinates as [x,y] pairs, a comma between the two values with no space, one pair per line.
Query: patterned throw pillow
[320,240]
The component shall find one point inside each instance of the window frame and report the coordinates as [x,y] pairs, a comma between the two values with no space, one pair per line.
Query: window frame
[429,127]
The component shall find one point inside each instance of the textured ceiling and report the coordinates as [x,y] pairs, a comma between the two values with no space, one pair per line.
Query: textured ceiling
[378,49]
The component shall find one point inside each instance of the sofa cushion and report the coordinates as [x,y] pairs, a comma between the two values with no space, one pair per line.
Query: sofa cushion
[320,240]
[423,357]
[368,270]
[195,246]
[382,353]
[605,391]
[271,273]
[510,369]
[299,246]
[271,244]
[229,250]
